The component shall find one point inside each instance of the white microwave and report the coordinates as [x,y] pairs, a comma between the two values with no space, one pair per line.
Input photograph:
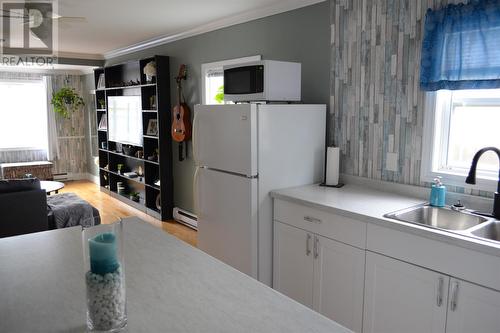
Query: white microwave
[265,80]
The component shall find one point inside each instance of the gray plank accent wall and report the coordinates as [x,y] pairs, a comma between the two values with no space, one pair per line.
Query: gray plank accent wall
[71,134]
[376,105]
[90,124]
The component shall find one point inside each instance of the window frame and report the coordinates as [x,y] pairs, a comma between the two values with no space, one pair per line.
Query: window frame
[435,142]
[206,67]
[46,144]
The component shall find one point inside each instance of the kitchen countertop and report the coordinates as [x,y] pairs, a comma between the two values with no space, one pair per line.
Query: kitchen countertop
[171,287]
[369,205]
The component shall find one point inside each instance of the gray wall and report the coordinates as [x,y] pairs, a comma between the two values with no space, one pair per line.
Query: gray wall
[301,35]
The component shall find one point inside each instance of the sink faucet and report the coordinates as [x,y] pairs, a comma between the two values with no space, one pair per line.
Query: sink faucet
[471,178]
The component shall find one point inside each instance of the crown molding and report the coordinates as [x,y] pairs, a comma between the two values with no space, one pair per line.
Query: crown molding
[281,7]
[77,55]
[50,69]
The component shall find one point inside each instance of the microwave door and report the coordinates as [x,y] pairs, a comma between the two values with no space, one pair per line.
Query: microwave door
[225,138]
[244,81]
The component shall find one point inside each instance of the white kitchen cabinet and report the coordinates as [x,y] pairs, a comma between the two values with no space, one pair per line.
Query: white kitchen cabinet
[373,279]
[321,273]
[293,263]
[400,297]
[339,272]
[472,308]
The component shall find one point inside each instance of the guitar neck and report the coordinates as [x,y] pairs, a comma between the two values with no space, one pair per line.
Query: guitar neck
[179,93]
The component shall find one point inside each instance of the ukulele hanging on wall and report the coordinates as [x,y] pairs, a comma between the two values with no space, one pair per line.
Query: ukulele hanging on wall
[181,117]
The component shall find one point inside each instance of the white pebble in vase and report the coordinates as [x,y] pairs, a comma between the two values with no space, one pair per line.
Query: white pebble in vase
[105,277]
[106,300]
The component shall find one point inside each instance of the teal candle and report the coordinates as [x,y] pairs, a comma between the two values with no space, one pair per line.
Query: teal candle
[102,252]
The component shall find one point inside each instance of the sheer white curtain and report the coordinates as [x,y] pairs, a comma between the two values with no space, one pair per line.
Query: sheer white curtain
[21,154]
[53,146]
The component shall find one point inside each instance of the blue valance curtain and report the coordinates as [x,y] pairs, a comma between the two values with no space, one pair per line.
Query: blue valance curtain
[461,47]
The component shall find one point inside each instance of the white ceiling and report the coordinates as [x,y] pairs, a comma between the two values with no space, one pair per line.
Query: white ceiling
[112,25]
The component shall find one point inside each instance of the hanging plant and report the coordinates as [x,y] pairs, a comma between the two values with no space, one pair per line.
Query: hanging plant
[66,101]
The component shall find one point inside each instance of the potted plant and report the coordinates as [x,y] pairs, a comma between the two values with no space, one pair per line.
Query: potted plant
[135,196]
[102,104]
[66,101]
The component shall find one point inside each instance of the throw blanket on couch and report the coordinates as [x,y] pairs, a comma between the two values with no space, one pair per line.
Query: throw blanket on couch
[70,210]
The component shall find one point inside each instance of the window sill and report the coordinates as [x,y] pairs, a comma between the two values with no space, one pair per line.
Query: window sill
[454,179]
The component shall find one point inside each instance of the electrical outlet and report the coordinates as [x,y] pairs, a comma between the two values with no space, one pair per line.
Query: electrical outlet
[391,162]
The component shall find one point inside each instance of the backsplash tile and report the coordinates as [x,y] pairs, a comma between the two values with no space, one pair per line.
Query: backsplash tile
[376,105]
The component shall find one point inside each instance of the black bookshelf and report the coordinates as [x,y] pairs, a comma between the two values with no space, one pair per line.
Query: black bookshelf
[128,79]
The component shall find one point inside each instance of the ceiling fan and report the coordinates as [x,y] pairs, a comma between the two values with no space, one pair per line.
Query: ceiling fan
[35,17]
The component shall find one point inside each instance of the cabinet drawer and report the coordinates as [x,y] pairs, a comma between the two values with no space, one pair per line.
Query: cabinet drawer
[466,264]
[337,227]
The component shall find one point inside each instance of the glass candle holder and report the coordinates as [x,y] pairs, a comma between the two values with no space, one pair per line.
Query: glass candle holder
[105,277]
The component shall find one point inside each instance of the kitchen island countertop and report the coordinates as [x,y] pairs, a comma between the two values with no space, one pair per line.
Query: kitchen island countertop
[171,287]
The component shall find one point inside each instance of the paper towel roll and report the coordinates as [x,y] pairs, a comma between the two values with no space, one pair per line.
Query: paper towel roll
[332,165]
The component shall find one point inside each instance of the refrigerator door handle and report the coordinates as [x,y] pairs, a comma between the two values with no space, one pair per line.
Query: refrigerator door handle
[195,143]
[196,191]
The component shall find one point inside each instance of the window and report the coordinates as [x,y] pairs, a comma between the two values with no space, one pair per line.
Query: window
[23,115]
[459,123]
[460,51]
[214,85]
[212,80]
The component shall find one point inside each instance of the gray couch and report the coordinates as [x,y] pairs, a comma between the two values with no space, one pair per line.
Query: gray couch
[24,209]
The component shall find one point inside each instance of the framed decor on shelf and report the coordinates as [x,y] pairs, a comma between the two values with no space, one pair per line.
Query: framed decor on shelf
[158,202]
[103,123]
[152,127]
[100,82]
[152,102]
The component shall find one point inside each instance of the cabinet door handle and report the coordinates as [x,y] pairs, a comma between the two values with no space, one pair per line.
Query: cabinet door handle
[316,250]
[308,245]
[454,296]
[440,291]
[312,219]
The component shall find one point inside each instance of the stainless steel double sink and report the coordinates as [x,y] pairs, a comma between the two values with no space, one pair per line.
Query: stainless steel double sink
[462,222]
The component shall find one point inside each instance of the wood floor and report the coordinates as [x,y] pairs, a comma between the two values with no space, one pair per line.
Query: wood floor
[112,209]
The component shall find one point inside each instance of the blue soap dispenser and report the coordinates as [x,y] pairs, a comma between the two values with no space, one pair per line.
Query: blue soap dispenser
[438,193]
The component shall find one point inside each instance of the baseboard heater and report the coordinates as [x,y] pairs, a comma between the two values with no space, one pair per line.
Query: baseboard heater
[186,218]
[61,177]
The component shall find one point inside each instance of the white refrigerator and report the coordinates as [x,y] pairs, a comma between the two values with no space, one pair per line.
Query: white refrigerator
[242,152]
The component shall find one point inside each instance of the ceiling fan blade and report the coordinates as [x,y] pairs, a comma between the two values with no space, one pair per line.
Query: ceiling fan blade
[76,18]
[14,16]
[62,18]
[56,16]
